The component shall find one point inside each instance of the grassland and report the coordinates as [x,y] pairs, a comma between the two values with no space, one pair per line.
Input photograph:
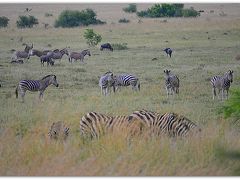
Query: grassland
[203,47]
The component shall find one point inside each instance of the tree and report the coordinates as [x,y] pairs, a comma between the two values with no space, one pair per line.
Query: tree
[3,21]
[92,38]
[26,21]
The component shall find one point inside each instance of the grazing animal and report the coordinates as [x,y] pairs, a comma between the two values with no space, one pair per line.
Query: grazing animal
[35,52]
[106,46]
[58,130]
[22,54]
[171,83]
[95,124]
[36,85]
[222,83]
[127,80]
[76,55]
[171,124]
[168,51]
[106,82]
[19,61]
[46,58]
[56,54]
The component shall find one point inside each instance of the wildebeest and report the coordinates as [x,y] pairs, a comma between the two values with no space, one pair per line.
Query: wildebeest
[38,53]
[56,54]
[76,55]
[168,51]
[19,61]
[22,54]
[46,58]
[106,46]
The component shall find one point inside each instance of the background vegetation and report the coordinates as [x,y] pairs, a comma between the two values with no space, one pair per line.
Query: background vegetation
[203,47]
[132,8]
[26,21]
[3,21]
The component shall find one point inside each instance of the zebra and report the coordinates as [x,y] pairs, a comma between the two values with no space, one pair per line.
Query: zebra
[58,130]
[106,46]
[106,82]
[127,80]
[56,54]
[95,125]
[22,54]
[171,83]
[168,51]
[171,123]
[35,85]
[76,55]
[38,53]
[222,83]
[46,58]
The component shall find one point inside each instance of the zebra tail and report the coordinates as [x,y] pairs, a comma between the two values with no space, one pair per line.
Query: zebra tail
[139,86]
[16,91]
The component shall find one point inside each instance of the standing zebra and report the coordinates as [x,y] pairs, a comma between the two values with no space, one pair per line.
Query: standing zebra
[95,124]
[106,82]
[168,51]
[81,55]
[127,80]
[222,83]
[171,82]
[35,85]
[171,124]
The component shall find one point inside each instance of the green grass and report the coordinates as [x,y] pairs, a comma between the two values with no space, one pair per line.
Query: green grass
[25,147]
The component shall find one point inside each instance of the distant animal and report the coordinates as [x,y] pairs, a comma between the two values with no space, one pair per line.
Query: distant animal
[171,83]
[58,54]
[19,61]
[46,58]
[222,83]
[22,54]
[168,51]
[38,53]
[106,82]
[106,46]
[126,80]
[95,125]
[58,130]
[76,55]
[36,85]
[27,10]
[171,124]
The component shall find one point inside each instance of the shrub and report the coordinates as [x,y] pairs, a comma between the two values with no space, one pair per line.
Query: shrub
[92,38]
[69,18]
[3,21]
[48,14]
[168,10]
[132,8]
[117,46]
[123,20]
[26,21]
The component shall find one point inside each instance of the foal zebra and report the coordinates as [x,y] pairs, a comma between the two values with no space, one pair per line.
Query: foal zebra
[95,124]
[35,85]
[171,83]
[127,80]
[106,82]
[222,83]
[171,124]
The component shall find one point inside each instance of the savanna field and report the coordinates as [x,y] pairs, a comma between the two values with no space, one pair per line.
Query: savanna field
[202,47]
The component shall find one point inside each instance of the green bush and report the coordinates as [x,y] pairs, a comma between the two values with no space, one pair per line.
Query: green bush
[3,21]
[92,38]
[168,10]
[123,20]
[26,21]
[69,18]
[118,46]
[132,8]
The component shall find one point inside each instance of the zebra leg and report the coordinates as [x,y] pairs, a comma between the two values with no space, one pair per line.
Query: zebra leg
[214,93]
[22,95]
[222,94]
[227,93]
[41,95]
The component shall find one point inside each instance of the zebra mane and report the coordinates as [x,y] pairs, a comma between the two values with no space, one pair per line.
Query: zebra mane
[48,76]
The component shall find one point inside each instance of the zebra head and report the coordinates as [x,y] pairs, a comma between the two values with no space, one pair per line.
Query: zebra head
[52,79]
[64,51]
[229,75]
[167,72]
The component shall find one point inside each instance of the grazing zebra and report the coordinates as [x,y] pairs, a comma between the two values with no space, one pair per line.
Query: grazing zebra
[38,53]
[171,124]
[76,55]
[222,83]
[168,51]
[35,85]
[46,58]
[58,130]
[56,54]
[106,46]
[127,80]
[106,82]
[171,82]
[95,124]
[22,54]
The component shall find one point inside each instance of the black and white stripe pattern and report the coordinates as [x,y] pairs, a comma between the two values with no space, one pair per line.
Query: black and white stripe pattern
[127,80]
[222,83]
[106,82]
[35,85]
[171,82]
[171,124]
